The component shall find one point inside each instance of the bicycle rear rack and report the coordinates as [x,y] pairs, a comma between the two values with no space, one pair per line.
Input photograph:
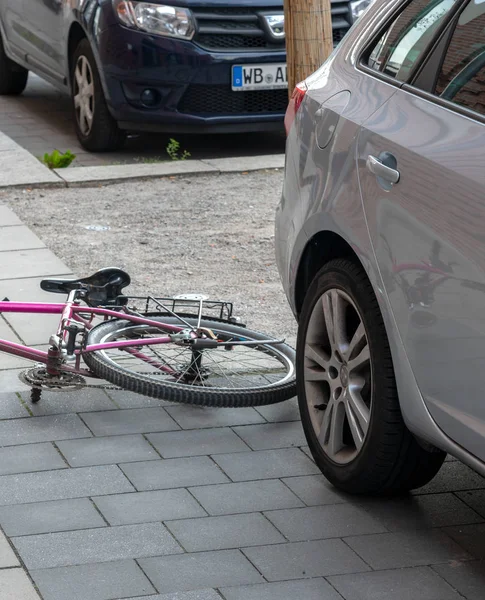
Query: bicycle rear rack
[151,306]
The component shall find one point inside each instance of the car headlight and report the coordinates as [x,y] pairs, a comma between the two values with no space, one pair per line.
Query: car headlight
[358,8]
[159,19]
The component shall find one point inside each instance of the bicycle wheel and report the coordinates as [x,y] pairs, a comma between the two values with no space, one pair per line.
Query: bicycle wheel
[225,376]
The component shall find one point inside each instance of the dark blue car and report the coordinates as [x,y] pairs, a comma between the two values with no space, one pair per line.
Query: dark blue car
[184,66]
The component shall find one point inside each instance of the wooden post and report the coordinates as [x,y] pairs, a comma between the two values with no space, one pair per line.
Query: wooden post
[309,37]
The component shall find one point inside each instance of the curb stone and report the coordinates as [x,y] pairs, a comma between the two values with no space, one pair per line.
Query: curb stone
[19,168]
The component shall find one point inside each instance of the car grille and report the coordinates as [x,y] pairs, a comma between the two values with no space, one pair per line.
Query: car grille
[232,29]
[221,100]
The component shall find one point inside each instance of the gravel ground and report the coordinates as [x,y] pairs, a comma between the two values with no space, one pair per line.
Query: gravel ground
[209,234]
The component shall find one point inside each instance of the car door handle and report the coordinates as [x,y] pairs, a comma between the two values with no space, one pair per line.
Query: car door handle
[381,170]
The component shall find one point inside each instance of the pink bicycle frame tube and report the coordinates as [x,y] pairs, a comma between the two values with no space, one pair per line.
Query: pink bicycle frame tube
[69,311]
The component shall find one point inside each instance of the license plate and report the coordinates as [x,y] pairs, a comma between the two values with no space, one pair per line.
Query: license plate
[259,77]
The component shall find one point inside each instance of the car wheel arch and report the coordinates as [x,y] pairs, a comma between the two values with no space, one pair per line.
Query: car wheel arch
[323,247]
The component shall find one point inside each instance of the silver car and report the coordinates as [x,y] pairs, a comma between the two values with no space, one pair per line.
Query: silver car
[380,238]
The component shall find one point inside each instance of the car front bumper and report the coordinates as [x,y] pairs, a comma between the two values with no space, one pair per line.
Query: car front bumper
[193,85]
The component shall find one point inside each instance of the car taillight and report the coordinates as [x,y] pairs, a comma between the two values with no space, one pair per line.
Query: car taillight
[294,104]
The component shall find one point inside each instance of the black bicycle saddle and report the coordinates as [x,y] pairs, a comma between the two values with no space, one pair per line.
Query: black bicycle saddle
[102,289]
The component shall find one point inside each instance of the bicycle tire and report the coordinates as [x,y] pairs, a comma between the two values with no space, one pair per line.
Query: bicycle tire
[174,391]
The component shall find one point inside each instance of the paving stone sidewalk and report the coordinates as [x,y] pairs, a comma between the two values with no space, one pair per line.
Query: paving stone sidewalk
[111,495]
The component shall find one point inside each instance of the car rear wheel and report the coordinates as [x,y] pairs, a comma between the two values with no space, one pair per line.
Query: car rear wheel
[95,127]
[347,390]
[13,77]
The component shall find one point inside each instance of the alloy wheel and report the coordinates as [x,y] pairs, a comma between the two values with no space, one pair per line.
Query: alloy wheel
[84,95]
[338,376]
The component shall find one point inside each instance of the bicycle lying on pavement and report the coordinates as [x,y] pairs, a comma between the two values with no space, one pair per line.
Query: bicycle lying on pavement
[184,349]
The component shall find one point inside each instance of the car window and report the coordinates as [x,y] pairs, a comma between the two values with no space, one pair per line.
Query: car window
[404,43]
[462,76]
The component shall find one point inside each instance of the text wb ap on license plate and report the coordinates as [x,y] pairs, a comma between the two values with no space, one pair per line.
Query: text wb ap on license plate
[259,77]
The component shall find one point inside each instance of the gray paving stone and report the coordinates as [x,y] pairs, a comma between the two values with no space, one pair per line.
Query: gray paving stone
[87,399]
[173,473]
[469,537]
[468,578]
[265,464]
[9,380]
[398,584]
[28,458]
[15,585]
[274,435]
[95,545]
[42,429]
[197,442]
[452,477]
[62,484]
[7,555]
[101,581]
[315,490]
[307,589]
[19,237]
[193,595]
[410,549]
[125,399]
[200,570]
[250,496]
[221,533]
[10,406]
[143,507]
[475,499]
[8,217]
[8,361]
[30,263]
[135,420]
[301,560]
[107,450]
[49,517]
[417,512]
[320,522]
[285,411]
[196,417]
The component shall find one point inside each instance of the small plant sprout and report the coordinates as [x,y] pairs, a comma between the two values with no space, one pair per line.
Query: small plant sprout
[173,150]
[58,160]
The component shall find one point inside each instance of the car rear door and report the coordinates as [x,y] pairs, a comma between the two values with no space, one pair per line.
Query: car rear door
[421,161]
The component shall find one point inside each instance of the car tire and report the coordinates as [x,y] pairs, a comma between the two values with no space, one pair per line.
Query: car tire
[13,77]
[347,389]
[95,127]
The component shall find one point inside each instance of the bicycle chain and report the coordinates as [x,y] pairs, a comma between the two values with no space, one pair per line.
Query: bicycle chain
[36,378]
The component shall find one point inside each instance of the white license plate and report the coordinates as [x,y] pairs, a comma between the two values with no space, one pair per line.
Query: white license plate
[259,77]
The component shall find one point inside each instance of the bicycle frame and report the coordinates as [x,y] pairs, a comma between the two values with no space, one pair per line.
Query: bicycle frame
[70,312]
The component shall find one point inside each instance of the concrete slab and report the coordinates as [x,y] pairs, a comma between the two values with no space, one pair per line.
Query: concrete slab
[30,263]
[20,168]
[15,585]
[7,216]
[18,238]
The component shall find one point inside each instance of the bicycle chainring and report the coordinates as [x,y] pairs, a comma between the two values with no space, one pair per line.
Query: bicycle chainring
[64,382]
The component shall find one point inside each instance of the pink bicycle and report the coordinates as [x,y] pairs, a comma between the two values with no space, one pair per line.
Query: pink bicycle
[184,349]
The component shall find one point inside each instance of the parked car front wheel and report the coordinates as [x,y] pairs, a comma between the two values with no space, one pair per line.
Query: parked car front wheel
[347,390]
[95,127]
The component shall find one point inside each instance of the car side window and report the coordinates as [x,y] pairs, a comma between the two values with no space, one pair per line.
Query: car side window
[462,76]
[405,42]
